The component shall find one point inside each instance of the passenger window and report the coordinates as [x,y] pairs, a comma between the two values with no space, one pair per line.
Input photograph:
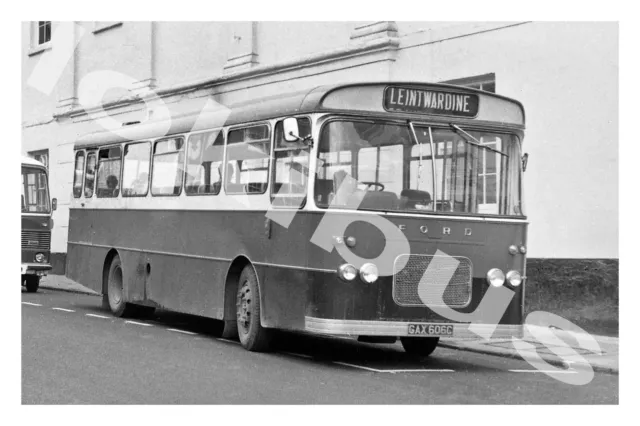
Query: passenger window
[205,154]
[247,162]
[90,175]
[77,174]
[168,165]
[109,164]
[291,168]
[135,174]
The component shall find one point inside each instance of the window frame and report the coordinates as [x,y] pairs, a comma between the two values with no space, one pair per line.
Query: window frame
[226,155]
[108,147]
[93,152]
[272,161]
[153,168]
[75,164]
[148,142]
[35,47]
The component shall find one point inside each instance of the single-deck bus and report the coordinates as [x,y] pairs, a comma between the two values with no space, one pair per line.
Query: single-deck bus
[373,210]
[36,223]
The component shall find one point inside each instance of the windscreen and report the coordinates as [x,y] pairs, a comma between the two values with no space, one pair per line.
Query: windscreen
[35,192]
[378,166]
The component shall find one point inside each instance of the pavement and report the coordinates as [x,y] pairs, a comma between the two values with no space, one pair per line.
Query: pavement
[557,347]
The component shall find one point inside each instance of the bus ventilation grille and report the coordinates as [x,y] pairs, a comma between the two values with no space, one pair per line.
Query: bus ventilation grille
[432,280]
[36,240]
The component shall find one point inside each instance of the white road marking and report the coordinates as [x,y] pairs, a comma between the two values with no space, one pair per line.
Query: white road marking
[63,309]
[298,355]
[182,331]
[96,316]
[139,323]
[362,367]
[31,304]
[544,371]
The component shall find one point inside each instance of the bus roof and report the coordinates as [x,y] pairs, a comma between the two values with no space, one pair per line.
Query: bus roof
[28,161]
[350,97]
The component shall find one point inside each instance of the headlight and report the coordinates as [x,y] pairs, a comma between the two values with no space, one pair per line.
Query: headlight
[523,250]
[513,249]
[347,272]
[495,277]
[514,278]
[369,273]
[40,257]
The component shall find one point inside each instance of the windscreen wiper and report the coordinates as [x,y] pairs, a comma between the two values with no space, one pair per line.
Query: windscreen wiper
[473,141]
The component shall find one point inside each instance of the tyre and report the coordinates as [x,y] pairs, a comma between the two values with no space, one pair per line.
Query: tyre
[32,283]
[421,346]
[115,291]
[253,336]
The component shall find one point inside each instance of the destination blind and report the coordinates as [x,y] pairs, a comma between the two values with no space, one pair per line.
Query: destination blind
[435,102]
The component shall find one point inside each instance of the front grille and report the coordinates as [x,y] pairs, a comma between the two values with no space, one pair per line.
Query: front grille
[449,276]
[36,240]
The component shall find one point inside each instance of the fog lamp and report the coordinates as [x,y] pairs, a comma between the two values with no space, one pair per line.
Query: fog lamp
[369,273]
[347,272]
[513,249]
[495,277]
[514,278]
[523,249]
[40,257]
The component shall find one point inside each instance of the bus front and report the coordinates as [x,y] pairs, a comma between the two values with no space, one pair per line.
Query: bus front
[36,224]
[422,217]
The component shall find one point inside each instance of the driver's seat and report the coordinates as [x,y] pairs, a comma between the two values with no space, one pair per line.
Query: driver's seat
[380,200]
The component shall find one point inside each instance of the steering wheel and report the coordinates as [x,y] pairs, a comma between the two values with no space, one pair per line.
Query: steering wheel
[370,184]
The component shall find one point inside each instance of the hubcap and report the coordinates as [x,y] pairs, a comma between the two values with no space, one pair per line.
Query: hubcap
[244,307]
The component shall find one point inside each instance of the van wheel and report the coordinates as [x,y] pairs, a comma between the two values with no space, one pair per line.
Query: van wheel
[253,336]
[32,283]
[115,291]
[421,346]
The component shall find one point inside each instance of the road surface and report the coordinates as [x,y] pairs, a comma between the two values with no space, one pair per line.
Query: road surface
[75,352]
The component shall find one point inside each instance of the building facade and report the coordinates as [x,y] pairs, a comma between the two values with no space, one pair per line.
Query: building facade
[565,74]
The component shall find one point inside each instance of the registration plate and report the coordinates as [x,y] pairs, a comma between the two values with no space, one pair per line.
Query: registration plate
[430,330]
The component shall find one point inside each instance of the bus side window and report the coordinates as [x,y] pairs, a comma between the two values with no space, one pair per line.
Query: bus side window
[135,171]
[204,163]
[168,165]
[77,174]
[90,175]
[109,165]
[250,149]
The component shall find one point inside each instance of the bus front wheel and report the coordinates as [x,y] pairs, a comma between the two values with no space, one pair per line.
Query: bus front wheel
[252,335]
[115,291]
[32,283]
[421,346]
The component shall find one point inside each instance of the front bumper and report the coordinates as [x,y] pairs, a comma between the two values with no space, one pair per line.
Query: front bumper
[336,327]
[35,268]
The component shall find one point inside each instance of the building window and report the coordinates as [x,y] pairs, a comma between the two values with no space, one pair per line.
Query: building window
[44,32]
[486,82]
[41,156]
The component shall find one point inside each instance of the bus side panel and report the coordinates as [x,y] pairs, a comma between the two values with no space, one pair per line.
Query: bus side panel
[85,265]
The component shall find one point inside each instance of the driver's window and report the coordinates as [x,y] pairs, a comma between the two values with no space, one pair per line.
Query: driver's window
[291,167]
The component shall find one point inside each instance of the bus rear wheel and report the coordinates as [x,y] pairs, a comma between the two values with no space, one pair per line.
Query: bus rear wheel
[32,283]
[115,291]
[253,336]
[421,346]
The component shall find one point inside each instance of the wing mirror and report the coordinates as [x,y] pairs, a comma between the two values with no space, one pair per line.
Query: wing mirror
[291,131]
[54,203]
[525,160]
